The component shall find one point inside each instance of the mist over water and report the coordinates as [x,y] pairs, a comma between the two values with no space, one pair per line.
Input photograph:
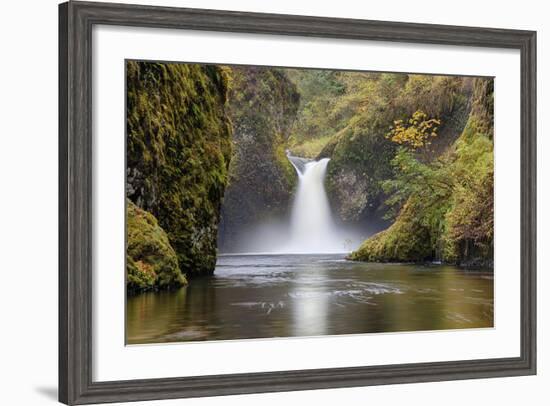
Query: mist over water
[309,228]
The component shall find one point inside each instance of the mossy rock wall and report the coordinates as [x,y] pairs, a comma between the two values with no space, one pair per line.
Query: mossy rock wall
[361,154]
[178,153]
[468,238]
[459,228]
[151,262]
[263,106]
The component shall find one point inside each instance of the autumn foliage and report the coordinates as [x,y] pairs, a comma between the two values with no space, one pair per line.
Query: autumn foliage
[416,132]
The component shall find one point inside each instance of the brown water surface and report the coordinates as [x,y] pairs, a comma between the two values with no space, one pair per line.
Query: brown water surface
[262,296]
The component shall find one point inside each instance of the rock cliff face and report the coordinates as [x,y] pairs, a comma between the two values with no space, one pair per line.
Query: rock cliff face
[178,152]
[263,105]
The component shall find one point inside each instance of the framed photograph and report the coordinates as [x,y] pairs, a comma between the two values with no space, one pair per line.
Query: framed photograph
[258,203]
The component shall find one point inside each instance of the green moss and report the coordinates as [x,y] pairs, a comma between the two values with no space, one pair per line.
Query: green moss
[469,223]
[281,160]
[151,262]
[406,240]
[178,153]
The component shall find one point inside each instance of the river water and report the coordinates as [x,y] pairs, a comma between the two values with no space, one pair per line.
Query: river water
[263,296]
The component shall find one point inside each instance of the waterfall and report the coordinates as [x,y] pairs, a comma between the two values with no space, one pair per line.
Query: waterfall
[312,229]
[309,227]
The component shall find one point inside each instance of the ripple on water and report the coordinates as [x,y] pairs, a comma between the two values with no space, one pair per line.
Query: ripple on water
[268,307]
[377,288]
[246,280]
[426,290]
[458,318]
[357,292]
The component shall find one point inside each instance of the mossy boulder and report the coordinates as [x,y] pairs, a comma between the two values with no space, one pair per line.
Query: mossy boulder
[263,105]
[406,240]
[178,153]
[151,262]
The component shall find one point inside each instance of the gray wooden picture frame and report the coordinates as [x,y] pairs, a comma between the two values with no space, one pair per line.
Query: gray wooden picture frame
[76,20]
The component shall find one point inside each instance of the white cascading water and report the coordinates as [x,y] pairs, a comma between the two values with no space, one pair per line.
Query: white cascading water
[310,229]
[311,226]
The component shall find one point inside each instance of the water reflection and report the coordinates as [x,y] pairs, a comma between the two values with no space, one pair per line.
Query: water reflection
[310,301]
[257,296]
